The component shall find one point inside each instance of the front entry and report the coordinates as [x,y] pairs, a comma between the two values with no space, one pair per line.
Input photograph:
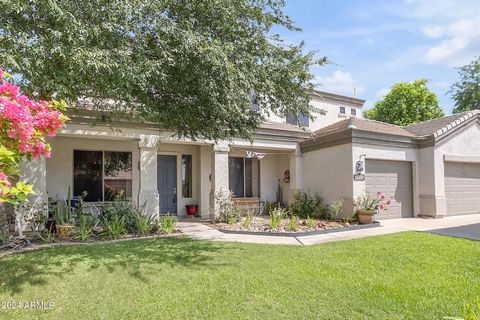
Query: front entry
[167,183]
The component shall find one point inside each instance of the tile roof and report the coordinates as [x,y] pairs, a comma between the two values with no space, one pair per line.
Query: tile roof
[424,129]
[439,126]
[363,125]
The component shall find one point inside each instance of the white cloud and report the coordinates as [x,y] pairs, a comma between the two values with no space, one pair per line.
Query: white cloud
[340,82]
[460,40]
[433,31]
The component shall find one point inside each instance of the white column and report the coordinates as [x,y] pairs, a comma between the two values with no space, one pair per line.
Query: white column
[33,172]
[205,185]
[219,176]
[296,172]
[148,193]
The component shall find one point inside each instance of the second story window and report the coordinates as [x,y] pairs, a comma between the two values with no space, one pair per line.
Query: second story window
[342,110]
[291,119]
[353,112]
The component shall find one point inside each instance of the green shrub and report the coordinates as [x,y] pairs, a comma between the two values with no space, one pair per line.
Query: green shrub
[305,205]
[248,219]
[123,209]
[336,208]
[268,206]
[113,228]
[47,236]
[144,224]
[293,224]
[85,225]
[4,238]
[311,223]
[229,212]
[276,216]
[168,223]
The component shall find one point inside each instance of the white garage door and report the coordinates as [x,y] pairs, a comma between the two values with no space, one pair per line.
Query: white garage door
[394,179]
[462,187]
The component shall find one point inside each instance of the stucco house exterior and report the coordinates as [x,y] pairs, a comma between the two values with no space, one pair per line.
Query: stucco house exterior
[431,169]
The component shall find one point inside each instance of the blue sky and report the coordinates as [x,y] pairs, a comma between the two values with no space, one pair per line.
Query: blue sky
[375,44]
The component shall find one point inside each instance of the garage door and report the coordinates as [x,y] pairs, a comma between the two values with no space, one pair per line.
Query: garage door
[462,187]
[394,179]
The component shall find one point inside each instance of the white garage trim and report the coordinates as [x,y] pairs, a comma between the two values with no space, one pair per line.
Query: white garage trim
[462,158]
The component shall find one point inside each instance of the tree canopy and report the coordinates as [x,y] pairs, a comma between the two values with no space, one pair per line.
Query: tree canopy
[466,91]
[192,66]
[406,103]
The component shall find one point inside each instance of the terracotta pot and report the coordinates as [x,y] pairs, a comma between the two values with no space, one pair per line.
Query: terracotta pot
[191,209]
[366,216]
[65,230]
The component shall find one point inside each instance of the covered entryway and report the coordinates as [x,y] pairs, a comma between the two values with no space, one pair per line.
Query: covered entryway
[462,188]
[394,179]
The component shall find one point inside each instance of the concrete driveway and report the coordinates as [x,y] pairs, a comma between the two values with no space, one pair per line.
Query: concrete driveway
[470,231]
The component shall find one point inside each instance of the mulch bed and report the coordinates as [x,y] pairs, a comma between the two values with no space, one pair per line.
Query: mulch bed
[262,224]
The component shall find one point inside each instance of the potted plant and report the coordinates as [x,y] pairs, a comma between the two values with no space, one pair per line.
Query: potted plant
[370,204]
[63,218]
[191,210]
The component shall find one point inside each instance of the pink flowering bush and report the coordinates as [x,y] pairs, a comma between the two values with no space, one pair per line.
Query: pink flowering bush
[372,201]
[24,124]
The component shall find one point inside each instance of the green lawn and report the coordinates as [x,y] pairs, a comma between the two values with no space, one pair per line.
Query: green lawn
[401,276]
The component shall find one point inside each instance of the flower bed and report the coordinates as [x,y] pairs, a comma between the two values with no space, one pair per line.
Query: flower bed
[261,224]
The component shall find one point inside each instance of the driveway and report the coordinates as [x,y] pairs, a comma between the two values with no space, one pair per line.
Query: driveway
[471,231]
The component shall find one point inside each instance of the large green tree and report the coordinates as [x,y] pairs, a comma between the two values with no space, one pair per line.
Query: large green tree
[190,65]
[406,103]
[466,92]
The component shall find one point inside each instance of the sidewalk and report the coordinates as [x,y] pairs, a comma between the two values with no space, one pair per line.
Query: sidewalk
[203,232]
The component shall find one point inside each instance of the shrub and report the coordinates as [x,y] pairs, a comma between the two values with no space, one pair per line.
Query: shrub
[276,216]
[305,205]
[144,224]
[336,208]
[168,223]
[310,223]
[113,228]
[47,236]
[248,219]
[293,223]
[123,209]
[85,224]
[229,212]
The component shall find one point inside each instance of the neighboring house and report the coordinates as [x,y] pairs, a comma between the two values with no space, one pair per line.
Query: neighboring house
[423,166]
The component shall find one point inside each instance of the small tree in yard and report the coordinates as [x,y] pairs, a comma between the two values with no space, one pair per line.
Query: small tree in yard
[406,103]
[24,124]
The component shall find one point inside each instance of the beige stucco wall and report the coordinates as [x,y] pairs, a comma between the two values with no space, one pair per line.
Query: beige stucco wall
[329,173]
[332,112]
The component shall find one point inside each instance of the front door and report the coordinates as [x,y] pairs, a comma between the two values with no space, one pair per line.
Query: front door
[167,183]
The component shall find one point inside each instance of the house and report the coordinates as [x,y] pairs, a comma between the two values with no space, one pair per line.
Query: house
[431,169]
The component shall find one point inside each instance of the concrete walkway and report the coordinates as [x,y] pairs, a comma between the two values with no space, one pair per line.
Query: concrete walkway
[203,232]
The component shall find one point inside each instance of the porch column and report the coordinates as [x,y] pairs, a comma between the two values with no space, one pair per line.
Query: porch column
[205,168]
[33,172]
[148,191]
[296,172]
[219,176]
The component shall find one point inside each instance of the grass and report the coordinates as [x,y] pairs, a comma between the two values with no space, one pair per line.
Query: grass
[401,276]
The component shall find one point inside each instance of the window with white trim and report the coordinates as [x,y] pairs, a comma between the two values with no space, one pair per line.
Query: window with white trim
[342,110]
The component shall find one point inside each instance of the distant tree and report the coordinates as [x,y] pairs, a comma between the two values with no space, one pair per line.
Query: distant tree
[466,92]
[406,103]
[192,66]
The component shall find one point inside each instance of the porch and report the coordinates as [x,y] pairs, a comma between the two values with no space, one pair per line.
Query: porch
[160,173]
